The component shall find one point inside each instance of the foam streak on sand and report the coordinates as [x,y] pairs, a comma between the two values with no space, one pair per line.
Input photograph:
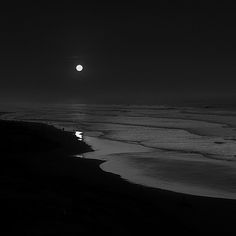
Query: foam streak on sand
[180,149]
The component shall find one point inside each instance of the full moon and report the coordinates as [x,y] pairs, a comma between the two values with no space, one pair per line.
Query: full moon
[79,67]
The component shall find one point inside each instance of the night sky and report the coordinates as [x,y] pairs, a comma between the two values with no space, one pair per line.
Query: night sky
[130,53]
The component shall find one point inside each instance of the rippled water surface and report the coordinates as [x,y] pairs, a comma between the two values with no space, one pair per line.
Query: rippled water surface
[190,150]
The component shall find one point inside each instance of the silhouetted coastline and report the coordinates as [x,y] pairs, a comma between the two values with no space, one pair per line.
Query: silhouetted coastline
[45,190]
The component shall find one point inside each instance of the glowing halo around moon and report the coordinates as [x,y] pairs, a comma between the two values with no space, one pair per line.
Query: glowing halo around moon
[79,68]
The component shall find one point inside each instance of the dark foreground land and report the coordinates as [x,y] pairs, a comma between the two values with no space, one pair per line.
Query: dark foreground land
[44,190]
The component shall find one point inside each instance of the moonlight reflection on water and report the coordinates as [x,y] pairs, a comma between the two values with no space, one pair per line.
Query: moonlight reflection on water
[79,135]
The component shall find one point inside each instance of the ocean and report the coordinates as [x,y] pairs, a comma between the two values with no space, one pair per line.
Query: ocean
[190,150]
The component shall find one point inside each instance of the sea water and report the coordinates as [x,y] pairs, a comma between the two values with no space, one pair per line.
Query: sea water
[183,149]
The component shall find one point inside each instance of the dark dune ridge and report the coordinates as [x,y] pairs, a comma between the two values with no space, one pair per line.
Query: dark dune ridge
[45,190]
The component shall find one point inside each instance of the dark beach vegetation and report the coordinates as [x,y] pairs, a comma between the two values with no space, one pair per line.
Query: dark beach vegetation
[46,190]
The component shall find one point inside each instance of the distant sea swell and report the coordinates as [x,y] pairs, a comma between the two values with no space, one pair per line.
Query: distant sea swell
[190,150]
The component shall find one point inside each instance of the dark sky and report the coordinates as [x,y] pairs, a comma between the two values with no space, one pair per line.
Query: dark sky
[130,53]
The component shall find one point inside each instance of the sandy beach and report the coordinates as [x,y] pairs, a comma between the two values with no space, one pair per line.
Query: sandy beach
[45,190]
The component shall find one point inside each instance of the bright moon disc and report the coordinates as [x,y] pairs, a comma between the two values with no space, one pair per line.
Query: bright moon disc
[79,68]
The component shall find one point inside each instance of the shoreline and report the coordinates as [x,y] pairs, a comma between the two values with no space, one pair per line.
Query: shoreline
[55,192]
[138,176]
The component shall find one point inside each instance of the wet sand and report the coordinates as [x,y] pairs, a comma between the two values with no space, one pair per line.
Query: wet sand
[46,190]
